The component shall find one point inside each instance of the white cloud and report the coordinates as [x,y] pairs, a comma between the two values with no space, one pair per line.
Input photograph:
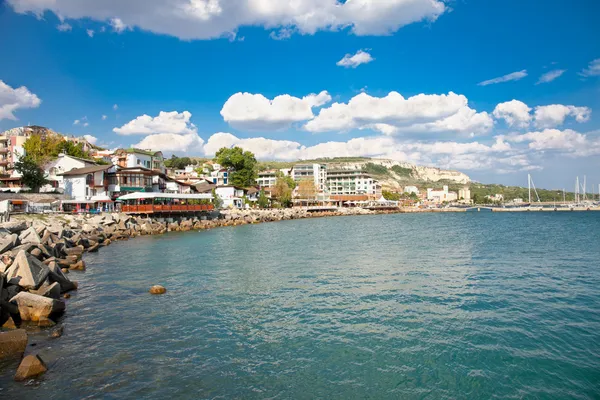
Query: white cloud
[394,114]
[86,124]
[165,123]
[115,107]
[353,61]
[118,25]
[555,115]
[76,122]
[13,99]
[190,143]
[256,112]
[514,112]
[90,32]
[593,69]
[550,76]
[514,76]
[206,19]
[91,139]
[64,27]
[552,139]
[104,117]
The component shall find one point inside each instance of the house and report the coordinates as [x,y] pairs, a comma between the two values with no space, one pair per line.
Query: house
[496,197]
[231,196]
[411,189]
[89,183]
[441,196]
[177,186]
[55,169]
[267,178]
[220,177]
[136,179]
[132,158]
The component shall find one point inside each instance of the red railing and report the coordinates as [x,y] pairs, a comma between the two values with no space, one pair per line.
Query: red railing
[151,208]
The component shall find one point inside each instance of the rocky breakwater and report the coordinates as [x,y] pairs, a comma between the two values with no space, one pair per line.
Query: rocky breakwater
[255,216]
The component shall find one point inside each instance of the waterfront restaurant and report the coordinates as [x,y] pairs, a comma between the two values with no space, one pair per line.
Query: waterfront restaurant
[166,204]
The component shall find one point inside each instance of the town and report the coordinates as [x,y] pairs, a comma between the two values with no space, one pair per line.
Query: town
[77,176]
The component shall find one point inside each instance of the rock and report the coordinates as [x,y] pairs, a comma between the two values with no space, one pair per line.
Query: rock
[74,251]
[158,289]
[56,333]
[30,236]
[32,307]
[93,248]
[44,322]
[65,270]
[10,324]
[37,253]
[51,290]
[27,271]
[31,367]
[8,242]
[78,266]
[56,275]
[13,344]
[67,296]
[14,226]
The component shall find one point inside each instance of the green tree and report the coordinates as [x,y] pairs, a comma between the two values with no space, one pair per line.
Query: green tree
[240,163]
[283,192]
[177,162]
[32,175]
[263,200]
[217,201]
[391,196]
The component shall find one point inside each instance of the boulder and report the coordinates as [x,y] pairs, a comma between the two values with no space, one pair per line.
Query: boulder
[44,322]
[36,252]
[78,266]
[158,289]
[13,344]
[8,242]
[10,324]
[56,333]
[33,307]
[74,251]
[30,236]
[14,226]
[31,367]
[56,275]
[51,290]
[27,271]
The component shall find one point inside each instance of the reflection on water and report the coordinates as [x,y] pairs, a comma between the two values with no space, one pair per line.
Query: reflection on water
[395,306]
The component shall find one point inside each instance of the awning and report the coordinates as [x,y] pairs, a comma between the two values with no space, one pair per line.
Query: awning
[77,202]
[102,199]
[154,195]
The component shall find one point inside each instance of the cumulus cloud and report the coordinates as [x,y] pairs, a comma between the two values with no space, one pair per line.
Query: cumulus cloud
[165,123]
[64,27]
[190,143]
[90,32]
[593,69]
[552,139]
[91,139]
[555,115]
[353,61]
[395,114]
[550,76]
[514,76]
[104,117]
[13,99]
[76,122]
[514,112]
[115,107]
[256,112]
[206,19]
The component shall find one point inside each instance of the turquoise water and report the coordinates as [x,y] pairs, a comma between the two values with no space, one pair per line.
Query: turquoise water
[472,305]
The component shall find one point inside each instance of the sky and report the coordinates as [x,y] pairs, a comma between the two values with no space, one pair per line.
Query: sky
[494,89]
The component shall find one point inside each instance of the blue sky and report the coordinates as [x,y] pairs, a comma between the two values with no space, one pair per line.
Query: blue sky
[215,72]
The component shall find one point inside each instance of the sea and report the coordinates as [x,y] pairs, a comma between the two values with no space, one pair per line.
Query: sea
[404,306]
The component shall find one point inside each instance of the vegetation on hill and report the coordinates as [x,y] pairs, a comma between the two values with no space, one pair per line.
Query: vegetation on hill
[42,149]
[179,162]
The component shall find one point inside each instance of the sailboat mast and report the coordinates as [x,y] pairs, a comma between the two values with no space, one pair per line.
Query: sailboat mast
[529,186]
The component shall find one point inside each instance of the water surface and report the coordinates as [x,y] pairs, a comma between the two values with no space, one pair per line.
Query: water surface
[471,305]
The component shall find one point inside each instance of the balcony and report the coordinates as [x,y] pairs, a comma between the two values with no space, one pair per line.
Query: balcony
[152,209]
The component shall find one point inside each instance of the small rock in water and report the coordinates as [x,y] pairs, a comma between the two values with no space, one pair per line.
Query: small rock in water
[65,270]
[56,333]
[158,289]
[67,296]
[30,367]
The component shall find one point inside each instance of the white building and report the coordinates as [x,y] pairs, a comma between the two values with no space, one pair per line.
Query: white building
[411,189]
[88,183]
[440,196]
[135,158]
[55,169]
[220,177]
[315,172]
[496,197]
[346,182]
[464,194]
[231,196]
[267,178]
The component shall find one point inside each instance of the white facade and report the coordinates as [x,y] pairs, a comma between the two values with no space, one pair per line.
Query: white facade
[352,182]
[62,164]
[86,186]
[440,196]
[464,194]
[220,177]
[231,196]
[411,189]
[266,179]
[315,172]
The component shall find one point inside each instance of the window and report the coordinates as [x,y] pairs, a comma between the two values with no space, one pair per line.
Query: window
[89,180]
[139,162]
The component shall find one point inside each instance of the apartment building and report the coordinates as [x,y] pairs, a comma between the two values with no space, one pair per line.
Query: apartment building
[315,172]
[346,182]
